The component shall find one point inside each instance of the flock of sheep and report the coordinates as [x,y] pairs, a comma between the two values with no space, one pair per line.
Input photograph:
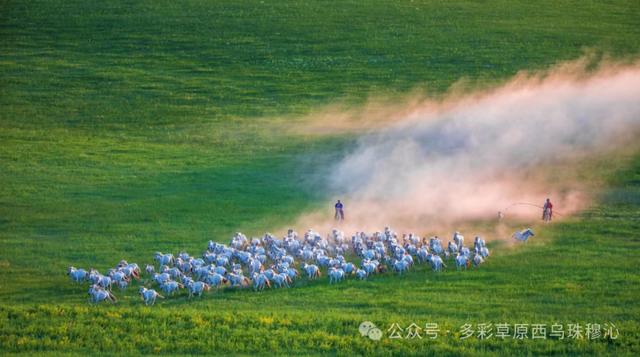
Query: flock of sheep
[270,262]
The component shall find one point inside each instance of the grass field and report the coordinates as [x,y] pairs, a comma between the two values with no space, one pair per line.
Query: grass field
[130,127]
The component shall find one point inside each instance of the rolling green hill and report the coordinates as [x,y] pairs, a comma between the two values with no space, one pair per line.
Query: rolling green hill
[128,127]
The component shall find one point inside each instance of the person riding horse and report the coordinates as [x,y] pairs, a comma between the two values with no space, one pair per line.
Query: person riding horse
[547,211]
[339,211]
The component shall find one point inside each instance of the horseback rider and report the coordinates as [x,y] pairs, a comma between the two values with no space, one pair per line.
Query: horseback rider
[547,210]
[339,211]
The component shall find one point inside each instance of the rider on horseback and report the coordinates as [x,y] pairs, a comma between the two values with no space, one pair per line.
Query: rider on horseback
[547,211]
[339,211]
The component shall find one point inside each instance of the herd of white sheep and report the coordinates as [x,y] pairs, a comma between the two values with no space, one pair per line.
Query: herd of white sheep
[269,262]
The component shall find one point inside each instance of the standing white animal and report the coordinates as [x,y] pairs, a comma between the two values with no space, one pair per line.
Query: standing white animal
[150,269]
[311,270]
[477,260]
[401,266]
[458,239]
[77,275]
[484,252]
[349,268]
[423,254]
[452,248]
[461,261]
[465,251]
[335,275]
[408,258]
[369,266]
[164,259]
[436,262]
[361,274]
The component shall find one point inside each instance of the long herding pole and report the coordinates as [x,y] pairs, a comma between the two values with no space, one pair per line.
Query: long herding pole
[528,204]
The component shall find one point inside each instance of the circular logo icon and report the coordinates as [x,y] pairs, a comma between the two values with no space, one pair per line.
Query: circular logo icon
[375,334]
[365,327]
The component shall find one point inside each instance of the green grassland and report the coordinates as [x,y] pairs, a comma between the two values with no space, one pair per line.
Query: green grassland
[128,127]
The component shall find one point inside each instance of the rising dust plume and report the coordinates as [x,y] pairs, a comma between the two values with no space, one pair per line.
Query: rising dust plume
[435,164]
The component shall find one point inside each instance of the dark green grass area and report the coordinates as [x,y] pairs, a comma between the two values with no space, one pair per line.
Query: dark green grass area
[128,127]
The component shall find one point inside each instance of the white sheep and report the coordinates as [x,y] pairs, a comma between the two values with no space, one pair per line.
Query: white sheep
[149,296]
[105,282]
[281,280]
[458,239]
[197,287]
[98,293]
[361,274]
[311,270]
[164,259]
[150,269]
[436,262]
[77,275]
[401,266]
[161,278]
[170,287]
[461,261]
[452,248]
[238,279]
[349,268]
[260,281]
[335,275]
[215,279]
[423,254]
[477,260]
